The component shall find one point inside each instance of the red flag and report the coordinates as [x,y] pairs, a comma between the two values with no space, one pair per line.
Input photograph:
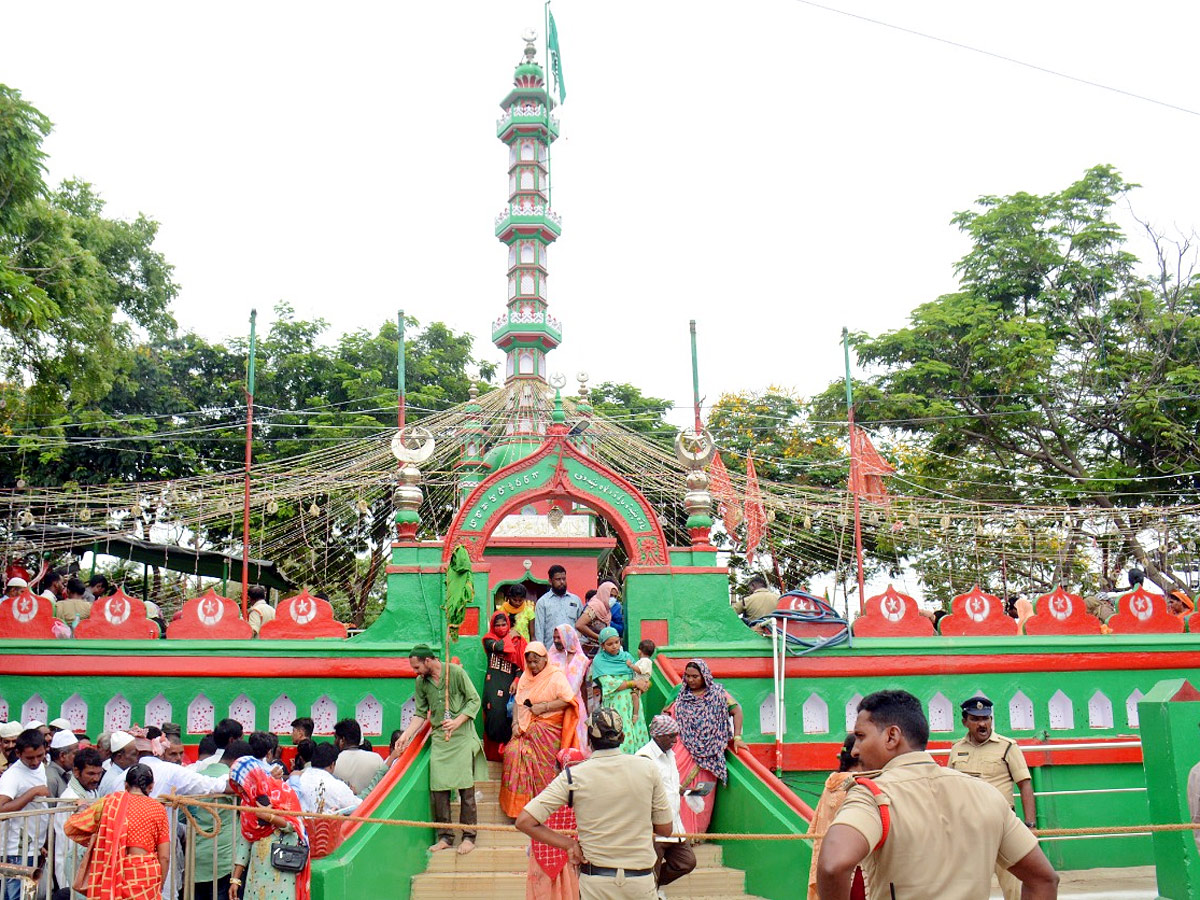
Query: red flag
[867,469]
[728,507]
[756,513]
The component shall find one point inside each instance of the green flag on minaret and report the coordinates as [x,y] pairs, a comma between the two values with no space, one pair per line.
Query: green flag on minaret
[555,60]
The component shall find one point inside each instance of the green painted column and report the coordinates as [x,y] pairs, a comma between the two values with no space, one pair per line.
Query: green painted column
[1169,717]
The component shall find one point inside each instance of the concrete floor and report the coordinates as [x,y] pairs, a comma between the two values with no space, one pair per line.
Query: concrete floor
[1105,884]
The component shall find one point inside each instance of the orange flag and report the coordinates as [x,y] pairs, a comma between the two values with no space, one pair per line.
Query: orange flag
[866,478]
[756,513]
[728,508]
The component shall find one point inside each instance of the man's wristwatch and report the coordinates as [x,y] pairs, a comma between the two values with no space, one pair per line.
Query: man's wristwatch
[1029,824]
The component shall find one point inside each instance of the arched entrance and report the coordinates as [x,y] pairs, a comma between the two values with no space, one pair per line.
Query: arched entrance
[559,471]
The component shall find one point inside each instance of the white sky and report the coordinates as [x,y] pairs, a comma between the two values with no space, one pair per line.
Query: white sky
[771,169]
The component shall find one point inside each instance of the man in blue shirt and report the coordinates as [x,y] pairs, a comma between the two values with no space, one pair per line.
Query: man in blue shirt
[558,606]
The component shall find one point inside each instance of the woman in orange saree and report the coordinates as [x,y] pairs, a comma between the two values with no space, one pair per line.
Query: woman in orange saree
[132,846]
[543,723]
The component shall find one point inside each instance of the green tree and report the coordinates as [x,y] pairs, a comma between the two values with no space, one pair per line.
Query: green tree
[1060,372]
[626,405]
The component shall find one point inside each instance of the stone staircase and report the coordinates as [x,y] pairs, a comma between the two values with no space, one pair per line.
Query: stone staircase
[496,868]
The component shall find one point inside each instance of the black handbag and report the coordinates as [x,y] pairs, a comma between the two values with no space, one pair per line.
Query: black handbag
[289,857]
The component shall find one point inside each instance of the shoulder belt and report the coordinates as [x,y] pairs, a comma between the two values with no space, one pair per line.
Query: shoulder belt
[881,799]
[1004,758]
[570,789]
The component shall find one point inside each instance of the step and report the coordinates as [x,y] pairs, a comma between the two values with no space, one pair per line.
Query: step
[710,883]
[512,858]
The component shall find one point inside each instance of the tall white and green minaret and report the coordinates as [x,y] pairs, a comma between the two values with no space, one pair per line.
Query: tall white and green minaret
[527,226]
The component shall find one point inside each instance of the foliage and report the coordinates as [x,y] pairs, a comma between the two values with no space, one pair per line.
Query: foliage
[1058,373]
[625,404]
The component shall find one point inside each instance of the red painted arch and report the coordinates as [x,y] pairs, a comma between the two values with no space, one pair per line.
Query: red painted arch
[645,548]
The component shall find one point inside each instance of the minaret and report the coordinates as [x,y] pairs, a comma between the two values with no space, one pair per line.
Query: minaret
[527,226]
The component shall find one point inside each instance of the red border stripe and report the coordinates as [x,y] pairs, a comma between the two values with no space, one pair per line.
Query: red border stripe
[956,664]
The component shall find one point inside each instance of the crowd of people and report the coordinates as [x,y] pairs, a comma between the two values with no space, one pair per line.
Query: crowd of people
[100,800]
[553,666]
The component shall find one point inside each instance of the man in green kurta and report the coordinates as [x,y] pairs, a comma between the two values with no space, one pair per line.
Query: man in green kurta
[455,748]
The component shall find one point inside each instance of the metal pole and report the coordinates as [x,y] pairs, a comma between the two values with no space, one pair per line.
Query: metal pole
[854,462]
[546,46]
[249,439]
[400,373]
[695,375]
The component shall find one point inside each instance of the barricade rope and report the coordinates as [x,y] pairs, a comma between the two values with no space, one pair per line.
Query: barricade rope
[184,802]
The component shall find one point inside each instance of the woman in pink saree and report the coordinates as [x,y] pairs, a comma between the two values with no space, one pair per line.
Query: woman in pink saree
[568,655]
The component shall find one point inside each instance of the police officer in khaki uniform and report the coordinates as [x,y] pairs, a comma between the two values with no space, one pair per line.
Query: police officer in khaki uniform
[619,805]
[998,760]
[929,831]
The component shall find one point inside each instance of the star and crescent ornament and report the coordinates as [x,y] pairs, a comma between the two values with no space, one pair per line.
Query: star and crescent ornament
[694,450]
[413,445]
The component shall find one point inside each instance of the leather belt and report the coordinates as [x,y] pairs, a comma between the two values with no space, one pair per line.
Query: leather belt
[589,869]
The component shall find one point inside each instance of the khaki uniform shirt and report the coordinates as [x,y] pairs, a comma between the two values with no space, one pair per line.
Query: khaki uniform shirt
[946,835]
[73,607]
[259,615]
[617,797]
[757,605]
[998,761]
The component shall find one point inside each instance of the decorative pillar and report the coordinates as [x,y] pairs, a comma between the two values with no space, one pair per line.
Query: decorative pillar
[526,332]
[695,450]
[411,447]
[472,467]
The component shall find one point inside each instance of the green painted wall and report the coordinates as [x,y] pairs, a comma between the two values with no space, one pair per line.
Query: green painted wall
[380,860]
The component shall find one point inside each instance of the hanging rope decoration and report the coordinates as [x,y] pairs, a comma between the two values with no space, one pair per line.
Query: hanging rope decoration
[325,492]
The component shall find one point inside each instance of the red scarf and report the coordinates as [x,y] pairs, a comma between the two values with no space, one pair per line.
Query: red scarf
[253,782]
[514,644]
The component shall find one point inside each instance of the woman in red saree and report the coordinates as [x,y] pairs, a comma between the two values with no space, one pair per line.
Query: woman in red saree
[550,876]
[543,724]
[132,845]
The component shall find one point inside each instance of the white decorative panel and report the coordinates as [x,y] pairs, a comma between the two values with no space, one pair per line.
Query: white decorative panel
[118,714]
[407,711]
[369,715]
[816,715]
[940,718]
[35,708]
[201,716]
[1020,712]
[1062,713]
[1131,708]
[281,715]
[324,716]
[3,710]
[242,710]
[74,710]
[1100,711]
[766,715]
[852,711]
[158,711]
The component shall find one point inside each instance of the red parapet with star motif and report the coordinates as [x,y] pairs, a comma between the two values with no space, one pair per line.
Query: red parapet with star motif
[1061,613]
[892,614]
[977,614]
[210,617]
[26,616]
[1141,612]
[117,617]
[302,617]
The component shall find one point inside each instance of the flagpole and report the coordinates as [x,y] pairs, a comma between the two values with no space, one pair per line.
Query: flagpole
[546,60]
[854,475]
[246,492]
[695,376]
[400,374]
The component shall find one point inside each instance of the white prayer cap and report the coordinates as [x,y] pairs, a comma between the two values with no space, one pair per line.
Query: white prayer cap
[34,724]
[17,581]
[63,739]
[11,730]
[61,723]
[119,741]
